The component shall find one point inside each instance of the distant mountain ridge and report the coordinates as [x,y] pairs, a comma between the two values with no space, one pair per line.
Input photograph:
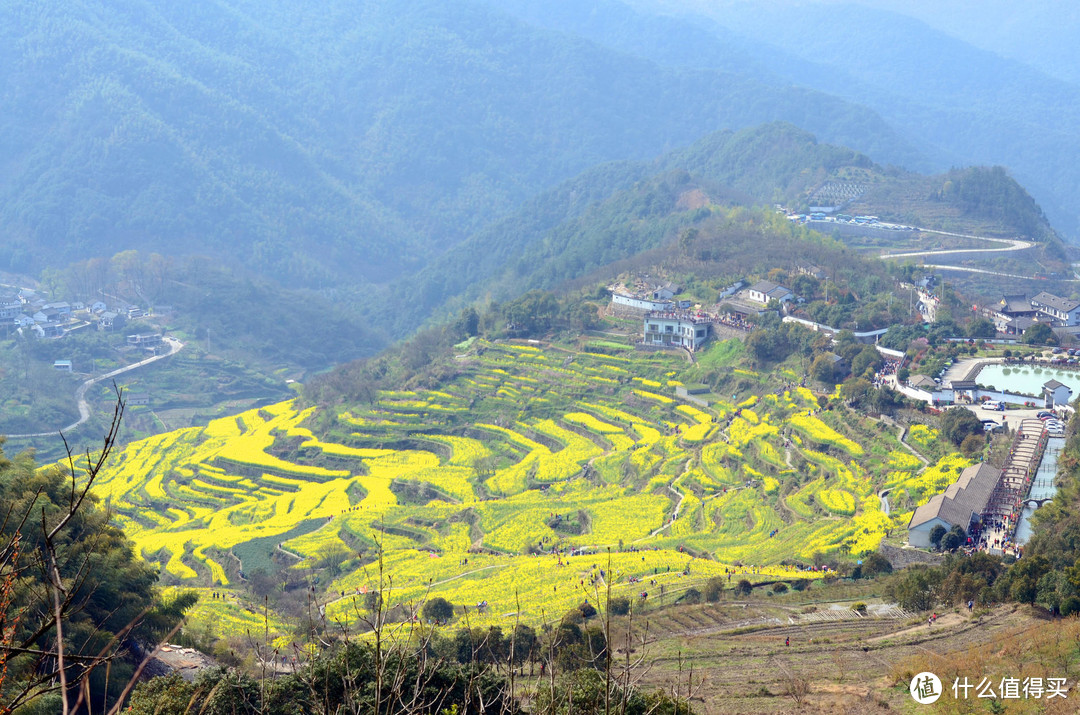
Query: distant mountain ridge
[619,210]
[335,142]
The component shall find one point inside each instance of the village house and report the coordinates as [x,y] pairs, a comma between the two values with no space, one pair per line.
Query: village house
[110,321]
[150,343]
[812,271]
[676,330]
[961,504]
[666,291]
[1012,314]
[10,307]
[640,303]
[63,309]
[1057,311]
[48,330]
[764,291]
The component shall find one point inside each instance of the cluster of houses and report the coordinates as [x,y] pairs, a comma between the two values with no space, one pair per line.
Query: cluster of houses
[680,323]
[1014,314]
[26,310]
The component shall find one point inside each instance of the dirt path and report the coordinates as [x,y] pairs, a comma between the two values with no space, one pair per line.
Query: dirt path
[946,620]
[900,438]
[674,515]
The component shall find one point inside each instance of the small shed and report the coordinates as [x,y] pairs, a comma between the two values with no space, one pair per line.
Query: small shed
[1056,393]
[922,382]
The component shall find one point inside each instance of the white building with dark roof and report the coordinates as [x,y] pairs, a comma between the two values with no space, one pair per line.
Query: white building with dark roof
[1056,310]
[764,291]
[1056,393]
[961,504]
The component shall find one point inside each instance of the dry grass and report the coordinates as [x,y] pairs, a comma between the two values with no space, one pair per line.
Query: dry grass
[860,666]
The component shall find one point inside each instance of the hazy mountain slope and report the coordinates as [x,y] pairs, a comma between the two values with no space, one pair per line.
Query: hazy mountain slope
[619,210]
[1041,33]
[672,41]
[972,104]
[332,140]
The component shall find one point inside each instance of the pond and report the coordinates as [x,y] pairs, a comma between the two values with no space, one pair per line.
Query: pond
[1027,379]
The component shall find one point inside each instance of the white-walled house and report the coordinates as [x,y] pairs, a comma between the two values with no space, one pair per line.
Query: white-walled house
[1055,393]
[676,330]
[764,291]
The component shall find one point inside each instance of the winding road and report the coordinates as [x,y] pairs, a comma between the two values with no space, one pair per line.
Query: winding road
[175,346]
[1010,245]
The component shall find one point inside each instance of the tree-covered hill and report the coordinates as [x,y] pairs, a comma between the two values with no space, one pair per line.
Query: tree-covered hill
[617,211]
[319,142]
[961,104]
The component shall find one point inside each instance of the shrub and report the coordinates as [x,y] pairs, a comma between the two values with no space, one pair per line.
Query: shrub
[714,588]
[692,595]
[620,605]
[780,587]
[438,609]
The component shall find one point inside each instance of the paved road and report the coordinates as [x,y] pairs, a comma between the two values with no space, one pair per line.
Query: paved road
[1011,244]
[80,394]
[965,269]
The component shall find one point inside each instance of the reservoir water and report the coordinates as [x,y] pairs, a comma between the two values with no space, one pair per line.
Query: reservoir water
[1027,379]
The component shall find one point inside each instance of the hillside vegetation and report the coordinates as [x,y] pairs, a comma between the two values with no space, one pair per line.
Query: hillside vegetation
[624,211]
[318,144]
[484,488]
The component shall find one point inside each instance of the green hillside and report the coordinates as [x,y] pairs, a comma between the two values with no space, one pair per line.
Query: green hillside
[327,143]
[621,211]
[513,479]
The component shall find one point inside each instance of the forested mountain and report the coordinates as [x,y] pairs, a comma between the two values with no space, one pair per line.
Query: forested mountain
[619,210]
[335,139]
[959,103]
[1040,33]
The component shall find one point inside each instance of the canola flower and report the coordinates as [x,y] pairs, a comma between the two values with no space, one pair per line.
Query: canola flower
[818,431]
[662,399]
[628,502]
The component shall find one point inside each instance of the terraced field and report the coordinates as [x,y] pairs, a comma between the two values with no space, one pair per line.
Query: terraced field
[511,482]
